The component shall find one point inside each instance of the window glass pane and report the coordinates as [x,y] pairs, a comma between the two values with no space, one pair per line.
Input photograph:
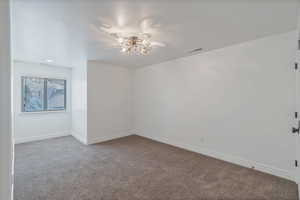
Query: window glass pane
[56,94]
[33,94]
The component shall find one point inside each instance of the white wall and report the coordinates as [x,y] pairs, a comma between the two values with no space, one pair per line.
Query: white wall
[79,103]
[36,126]
[109,102]
[234,103]
[5,105]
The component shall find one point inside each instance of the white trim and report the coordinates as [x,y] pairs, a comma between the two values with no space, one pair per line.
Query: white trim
[108,137]
[229,158]
[79,137]
[298,189]
[42,75]
[40,137]
[44,112]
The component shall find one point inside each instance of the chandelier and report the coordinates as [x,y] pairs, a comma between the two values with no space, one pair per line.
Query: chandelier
[138,44]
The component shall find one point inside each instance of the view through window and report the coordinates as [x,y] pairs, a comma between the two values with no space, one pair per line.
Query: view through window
[43,94]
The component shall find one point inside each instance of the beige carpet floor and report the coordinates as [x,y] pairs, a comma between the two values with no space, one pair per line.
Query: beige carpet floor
[135,168]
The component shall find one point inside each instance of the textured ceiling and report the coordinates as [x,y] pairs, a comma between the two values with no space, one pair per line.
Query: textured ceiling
[69,32]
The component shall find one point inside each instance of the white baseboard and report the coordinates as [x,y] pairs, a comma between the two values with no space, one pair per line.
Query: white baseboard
[79,137]
[229,158]
[108,137]
[40,137]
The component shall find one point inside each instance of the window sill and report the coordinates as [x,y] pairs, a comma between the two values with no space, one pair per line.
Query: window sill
[43,112]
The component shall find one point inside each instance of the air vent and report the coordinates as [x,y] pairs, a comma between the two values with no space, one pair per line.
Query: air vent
[195,50]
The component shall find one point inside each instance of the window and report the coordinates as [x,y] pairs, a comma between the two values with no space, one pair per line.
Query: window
[43,94]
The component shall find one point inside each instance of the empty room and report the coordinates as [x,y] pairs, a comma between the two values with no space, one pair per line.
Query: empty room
[149,100]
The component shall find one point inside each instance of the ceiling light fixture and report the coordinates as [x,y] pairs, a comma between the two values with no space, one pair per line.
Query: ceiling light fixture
[139,44]
[49,60]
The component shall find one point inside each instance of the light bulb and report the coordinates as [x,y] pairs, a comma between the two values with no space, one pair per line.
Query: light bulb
[146,42]
[120,40]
